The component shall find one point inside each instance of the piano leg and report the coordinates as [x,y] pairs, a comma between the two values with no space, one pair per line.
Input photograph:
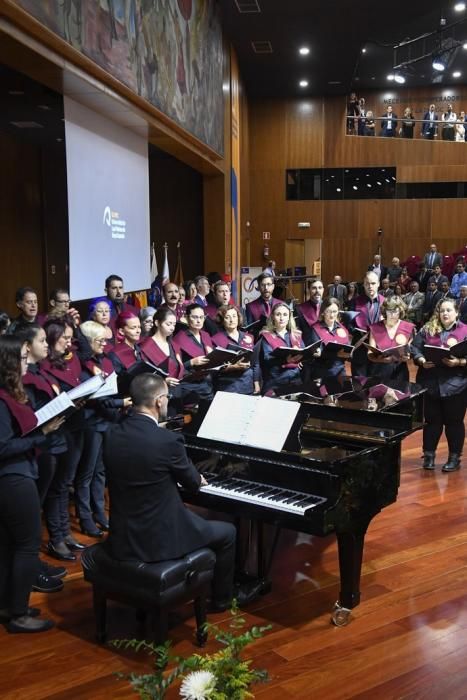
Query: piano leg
[350,546]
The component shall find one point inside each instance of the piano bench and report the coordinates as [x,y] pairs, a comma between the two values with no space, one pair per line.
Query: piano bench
[149,588]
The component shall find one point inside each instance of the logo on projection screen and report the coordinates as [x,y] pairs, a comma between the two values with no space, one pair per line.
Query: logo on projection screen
[116,224]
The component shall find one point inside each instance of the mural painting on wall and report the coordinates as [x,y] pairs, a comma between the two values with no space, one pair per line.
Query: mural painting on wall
[167,51]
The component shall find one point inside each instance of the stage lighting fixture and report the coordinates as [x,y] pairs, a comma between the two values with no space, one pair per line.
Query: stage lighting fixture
[439,62]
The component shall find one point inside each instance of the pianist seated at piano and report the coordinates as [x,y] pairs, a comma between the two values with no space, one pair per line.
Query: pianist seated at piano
[193,345]
[280,331]
[240,377]
[446,385]
[329,330]
[392,331]
[126,352]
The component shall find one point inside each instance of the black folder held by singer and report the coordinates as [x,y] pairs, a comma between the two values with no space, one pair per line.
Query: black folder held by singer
[306,354]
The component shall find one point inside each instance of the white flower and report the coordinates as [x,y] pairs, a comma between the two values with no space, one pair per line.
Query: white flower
[198,685]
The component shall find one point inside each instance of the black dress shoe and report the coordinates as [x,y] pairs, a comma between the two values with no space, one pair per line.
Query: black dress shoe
[28,624]
[103,524]
[60,551]
[73,544]
[429,460]
[51,571]
[453,463]
[91,531]
[6,617]
[43,584]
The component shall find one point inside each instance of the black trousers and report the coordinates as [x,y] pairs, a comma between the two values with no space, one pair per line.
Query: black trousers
[447,413]
[90,480]
[56,503]
[20,539]
[220,537]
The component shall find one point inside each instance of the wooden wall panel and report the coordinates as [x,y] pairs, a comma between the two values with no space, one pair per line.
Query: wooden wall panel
[340,219]
[267,135]
[20,222]
[304,129]
[304,211]
[432,173]
[413,218]
[374,214]
[449,222]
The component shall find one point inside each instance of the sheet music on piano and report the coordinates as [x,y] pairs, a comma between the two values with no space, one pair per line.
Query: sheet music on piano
[256,421]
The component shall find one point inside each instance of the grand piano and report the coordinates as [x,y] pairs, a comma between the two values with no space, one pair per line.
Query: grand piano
[339,466]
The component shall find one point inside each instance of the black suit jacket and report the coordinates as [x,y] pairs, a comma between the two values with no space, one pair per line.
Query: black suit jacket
[148,519]
[438,260]
[384,271]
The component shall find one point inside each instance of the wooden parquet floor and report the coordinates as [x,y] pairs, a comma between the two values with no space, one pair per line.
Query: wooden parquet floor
[407,639]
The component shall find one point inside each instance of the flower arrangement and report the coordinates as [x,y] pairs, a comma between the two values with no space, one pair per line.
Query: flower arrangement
[223,675]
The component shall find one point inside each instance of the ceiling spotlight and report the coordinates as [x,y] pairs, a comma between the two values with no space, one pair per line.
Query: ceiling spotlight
[390,76]
[459,6]
[456,74]
[464,46]
[399,78]
[363,50]
[439,63]
[303,83]
[304,51]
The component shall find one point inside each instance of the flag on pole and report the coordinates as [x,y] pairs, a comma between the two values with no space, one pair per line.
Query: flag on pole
[178,279]
[154,271]
[165,269]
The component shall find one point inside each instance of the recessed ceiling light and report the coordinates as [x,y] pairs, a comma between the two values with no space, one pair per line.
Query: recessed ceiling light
[46,108]
[399,78]
[304,50]
[459,6]
[390,77]
[464,46]
[456,74]
[303,83]
[363,50]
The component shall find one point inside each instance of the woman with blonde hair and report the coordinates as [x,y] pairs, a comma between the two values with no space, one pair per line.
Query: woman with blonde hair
[280,331]
[446,385]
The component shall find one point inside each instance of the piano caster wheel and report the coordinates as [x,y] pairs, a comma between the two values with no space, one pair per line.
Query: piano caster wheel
[340,616]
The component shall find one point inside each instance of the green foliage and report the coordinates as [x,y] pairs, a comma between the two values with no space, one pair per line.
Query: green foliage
[234,675]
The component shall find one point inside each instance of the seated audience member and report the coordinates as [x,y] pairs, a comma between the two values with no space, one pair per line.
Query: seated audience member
[280,331]
[446,385]
[414,301]
[172,300]
[4,322]
[126,352]
[462,304]
[242,377]
[20,516]
[337,290]
[330,367]
[398,291]
[146,316]
[116,297]
[202,290]
[193,345]
[308,312]
[385,290]
[100,311]
[59,306]
[438,277]
[404,280]
[432,297]
[26,301]
[148,519]
[390,332]
[349,303]
[459,278]
[445,292]
[181,294]
[378,268]
[394,271]
[260,309]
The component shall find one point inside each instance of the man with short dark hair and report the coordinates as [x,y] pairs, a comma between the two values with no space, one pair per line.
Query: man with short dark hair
[26,301]
[59,306]
[221,293]
[116,296]
[171,296]
[438,277]
[261,307]
[433,258]
[459,278]
[148,519]
[308,312]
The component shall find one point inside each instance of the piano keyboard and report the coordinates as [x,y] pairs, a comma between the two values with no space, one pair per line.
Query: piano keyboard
[265,495]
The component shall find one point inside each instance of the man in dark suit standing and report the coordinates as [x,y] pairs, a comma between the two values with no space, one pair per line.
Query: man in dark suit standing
[378,268]
[430,126]
[462,307]
[389,123]
[338,290]
[148,519]
[433,258]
